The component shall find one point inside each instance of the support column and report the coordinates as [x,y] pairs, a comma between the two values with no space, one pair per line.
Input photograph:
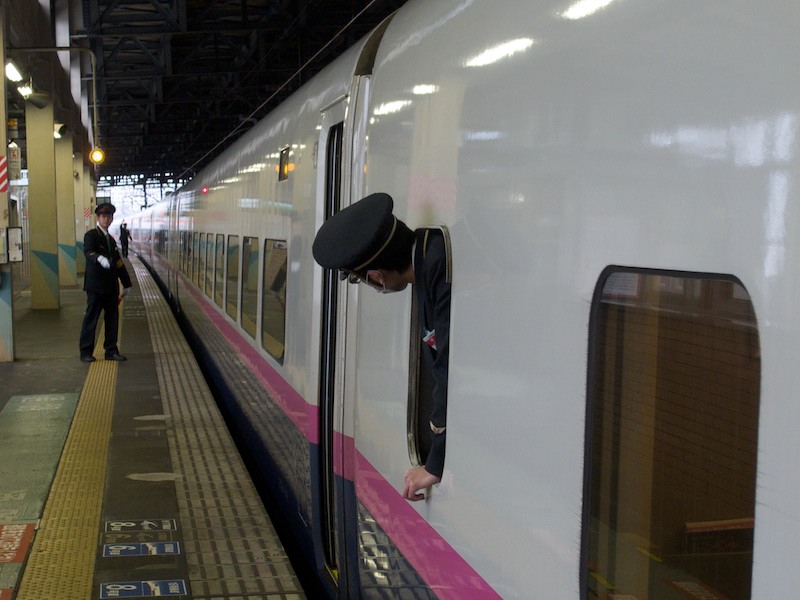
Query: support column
[65,199]
[42,207]
[6,280]
[81,212]
[88,198]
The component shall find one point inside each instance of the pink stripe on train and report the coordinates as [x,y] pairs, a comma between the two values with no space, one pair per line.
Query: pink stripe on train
[442,568]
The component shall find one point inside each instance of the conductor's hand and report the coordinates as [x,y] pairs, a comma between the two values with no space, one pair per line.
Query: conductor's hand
[416,481]
[123,293]
[103,262]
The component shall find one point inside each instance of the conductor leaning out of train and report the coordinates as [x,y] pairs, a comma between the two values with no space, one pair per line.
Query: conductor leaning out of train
[368,244]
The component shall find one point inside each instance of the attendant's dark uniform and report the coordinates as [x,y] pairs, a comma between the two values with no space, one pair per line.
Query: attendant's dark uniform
[124,236]
[433,299]
[358,239]
[102,289]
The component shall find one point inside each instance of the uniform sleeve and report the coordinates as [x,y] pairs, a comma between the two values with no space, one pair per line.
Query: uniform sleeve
[90,246]
[436,279]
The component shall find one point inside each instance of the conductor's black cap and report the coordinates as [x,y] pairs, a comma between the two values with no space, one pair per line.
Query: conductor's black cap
[106,208]
[352,238]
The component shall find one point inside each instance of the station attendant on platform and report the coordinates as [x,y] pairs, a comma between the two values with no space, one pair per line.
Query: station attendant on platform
[124,236]
[368,244]
[104,267]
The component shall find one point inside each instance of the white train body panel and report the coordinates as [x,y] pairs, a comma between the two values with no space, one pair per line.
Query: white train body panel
[658,136]
[244,196]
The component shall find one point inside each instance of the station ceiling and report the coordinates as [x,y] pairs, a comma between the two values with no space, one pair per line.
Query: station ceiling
[176,77]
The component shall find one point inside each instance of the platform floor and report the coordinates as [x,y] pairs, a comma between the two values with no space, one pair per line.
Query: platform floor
[120,480]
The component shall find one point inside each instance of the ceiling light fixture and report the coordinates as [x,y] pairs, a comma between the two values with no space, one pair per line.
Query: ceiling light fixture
[25,90]
[12,72]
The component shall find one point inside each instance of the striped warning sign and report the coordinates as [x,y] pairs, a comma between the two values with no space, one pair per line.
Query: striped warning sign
[3,174]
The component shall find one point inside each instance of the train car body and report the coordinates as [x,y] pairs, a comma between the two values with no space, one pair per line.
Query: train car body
[619,185]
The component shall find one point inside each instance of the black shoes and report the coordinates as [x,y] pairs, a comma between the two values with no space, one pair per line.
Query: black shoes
[87,358]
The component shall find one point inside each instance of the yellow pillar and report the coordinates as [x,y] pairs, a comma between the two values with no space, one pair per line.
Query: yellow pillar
[81,204]
[89,199]
[65,195]
[42,207]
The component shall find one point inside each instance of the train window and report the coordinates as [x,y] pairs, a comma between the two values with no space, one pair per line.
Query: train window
[273,307]
[187,253]
[422,383]
[250,285]
[201,262]
[219,269]
[209,264]
[182,254]
[671,438]
[184,236]
[232,288]
[194,255]
[160,246]
[284,167]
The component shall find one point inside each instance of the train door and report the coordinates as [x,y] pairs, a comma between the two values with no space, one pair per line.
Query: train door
[338,159]
[331,141]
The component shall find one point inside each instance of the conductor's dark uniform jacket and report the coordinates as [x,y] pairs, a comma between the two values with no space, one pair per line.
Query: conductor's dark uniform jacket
[97,279]
[101,288]
[433,299]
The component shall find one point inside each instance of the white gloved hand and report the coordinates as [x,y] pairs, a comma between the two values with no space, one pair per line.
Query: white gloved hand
[103,262]
[124,292]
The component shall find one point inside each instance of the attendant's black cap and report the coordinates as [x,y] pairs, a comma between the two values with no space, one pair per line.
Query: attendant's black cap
[354,237]
[106,208]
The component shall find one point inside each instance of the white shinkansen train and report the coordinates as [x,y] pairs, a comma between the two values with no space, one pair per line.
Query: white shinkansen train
[620,185]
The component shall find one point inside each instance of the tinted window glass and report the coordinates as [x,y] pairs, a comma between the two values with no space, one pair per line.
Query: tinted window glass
[671,438]
[219,268]
[232,289]
[273,309]
[201,261]
[194,256]
[209,264]
[250,285]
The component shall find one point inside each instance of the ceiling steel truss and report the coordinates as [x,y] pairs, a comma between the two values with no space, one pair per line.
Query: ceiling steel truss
[175,77]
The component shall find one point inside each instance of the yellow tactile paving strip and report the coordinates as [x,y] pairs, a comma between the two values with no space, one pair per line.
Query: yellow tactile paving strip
[61,562]
[231,547]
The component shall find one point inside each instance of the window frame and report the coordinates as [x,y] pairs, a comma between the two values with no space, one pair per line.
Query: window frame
[592,385]
[232,277]
[420,386]
[270,244]
[247,317]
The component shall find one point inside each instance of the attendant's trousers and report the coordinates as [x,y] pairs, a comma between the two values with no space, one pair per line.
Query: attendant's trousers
[108,305]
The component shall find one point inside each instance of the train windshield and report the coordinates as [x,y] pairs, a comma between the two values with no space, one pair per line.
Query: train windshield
[673,399]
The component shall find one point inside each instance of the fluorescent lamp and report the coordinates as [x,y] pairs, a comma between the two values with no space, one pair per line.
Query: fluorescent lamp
[423,89]
[499,52]
[12,72]
[387,108]
[25,90]
[584,8]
